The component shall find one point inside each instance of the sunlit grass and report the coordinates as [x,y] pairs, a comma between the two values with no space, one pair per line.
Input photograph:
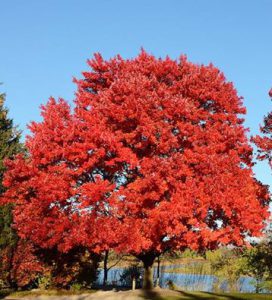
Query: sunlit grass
[157,294]
[33,293]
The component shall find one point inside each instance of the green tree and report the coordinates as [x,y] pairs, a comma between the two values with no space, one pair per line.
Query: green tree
[259,264]
[227,264]
[9,138]
[9,146]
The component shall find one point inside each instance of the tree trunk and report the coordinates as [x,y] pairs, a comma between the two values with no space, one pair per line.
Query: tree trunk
[148,261]
[257,291]
[148,278]
[133,283]
[10,281]
[105,279]
[158,272]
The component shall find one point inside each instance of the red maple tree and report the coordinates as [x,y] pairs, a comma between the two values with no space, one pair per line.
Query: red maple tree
[153,157]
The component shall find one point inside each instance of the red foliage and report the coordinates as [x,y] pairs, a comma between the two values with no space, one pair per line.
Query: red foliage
[153,157]
[26,265]
[19,265]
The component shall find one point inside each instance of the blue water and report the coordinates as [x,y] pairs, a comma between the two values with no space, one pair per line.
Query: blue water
[190,282]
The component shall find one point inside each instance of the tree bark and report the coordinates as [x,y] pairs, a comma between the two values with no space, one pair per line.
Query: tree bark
[105,279]
[148,278]
[10,281]
[158,272]
[148,261]
[133,283]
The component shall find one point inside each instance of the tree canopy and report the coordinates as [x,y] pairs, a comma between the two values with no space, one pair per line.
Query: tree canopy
[9,146]
[264,141]
[154,156]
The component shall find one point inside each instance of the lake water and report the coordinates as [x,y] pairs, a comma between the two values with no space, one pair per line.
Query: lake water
[190,282]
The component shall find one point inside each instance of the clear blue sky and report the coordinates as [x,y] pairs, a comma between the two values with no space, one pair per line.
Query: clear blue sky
[46,42]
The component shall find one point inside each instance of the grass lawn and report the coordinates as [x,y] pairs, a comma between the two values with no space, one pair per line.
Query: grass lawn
[181,295]
[156,294]
[36,293]
[225,296]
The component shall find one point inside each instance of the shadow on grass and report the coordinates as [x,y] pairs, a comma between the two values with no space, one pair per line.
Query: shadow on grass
[230,297]
[111,288]
[4,294]
[151,294]
[215,296]
[189,296]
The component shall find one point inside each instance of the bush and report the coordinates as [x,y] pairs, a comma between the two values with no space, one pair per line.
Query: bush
[171,285]
[130,273]
[266,286]
[76,287]
[45,282]
[188,253]
[78,266]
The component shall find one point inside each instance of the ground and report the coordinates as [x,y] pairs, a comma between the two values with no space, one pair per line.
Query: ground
[157,294]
